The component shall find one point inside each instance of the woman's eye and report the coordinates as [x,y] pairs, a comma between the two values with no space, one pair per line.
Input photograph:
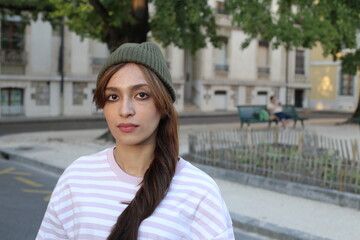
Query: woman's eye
[112,97]
[142,95]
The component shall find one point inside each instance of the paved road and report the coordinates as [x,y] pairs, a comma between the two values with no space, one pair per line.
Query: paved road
[24,195]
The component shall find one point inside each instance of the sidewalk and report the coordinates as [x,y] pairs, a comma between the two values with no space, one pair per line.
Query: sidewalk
[293,217]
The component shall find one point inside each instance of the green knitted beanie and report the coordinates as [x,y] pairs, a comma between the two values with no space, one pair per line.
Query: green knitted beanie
[147,54]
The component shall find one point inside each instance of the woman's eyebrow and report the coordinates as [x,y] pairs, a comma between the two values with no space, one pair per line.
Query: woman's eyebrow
[133,88]
[112,88]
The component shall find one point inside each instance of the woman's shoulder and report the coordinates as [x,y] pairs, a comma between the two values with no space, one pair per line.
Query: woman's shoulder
[89,161]
[194,177]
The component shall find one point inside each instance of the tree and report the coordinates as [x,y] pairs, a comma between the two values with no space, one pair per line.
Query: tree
[303,23]
[28,9]
[186,24]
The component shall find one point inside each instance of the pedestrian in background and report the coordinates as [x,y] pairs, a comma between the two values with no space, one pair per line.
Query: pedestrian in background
[140,188]
[275,108]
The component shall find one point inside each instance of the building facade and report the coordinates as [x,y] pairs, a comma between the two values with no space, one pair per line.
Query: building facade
[332,89]
[46,73]
[221,79]
[31,79]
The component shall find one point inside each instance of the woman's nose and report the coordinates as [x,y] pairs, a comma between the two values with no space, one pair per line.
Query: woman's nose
[126,108]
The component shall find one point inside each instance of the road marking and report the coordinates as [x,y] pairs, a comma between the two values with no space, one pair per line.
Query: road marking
[7,170]
[48,193]
[11,171]
[21,173]
[28,182]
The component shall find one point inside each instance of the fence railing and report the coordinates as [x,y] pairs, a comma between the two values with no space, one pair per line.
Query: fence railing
[292,155]
[13,56]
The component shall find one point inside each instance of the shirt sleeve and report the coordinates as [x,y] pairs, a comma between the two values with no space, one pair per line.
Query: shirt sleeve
[212,219]
[51,227]
[226,235]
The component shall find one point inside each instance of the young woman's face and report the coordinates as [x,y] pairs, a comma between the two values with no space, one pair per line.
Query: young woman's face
[130,110]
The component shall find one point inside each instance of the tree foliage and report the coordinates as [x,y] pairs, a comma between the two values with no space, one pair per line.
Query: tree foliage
[302,23]
[186,24]
[28,9]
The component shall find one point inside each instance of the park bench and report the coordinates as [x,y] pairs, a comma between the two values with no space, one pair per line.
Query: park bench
[291,110]
[250,114]
[356,120]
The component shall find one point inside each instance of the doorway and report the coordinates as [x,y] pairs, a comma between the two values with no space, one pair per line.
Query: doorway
[299,98]
[220,102]
[261,98]
[188,77]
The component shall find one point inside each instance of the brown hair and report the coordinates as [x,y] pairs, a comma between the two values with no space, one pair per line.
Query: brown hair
[158,176]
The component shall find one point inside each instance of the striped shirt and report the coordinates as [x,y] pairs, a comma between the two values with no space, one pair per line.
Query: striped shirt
[87,201]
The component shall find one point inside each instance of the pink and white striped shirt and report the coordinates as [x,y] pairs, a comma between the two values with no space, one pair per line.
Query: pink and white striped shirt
[88,199]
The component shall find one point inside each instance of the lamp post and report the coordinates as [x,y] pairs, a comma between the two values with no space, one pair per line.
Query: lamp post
[61,68]
[286,75]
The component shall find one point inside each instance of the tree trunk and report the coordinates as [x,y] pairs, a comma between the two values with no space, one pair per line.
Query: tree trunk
[128,33]
[356,113]
[357,110]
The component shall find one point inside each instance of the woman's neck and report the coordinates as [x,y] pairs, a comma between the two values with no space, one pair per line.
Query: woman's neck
[134,160]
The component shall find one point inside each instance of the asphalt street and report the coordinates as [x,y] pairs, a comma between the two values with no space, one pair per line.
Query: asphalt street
[24,195]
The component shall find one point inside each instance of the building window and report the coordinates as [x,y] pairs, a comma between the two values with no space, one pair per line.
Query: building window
[12,41]
[263,58]
[168,56]
[221,57]
[300,62]
[12,55]
[78,93]
[12,100]
[346,85]
[220,7]
[42,93]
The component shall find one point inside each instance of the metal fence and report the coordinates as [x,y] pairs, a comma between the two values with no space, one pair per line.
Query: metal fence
[292,155]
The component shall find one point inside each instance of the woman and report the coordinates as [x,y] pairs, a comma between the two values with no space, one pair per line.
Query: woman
[275,108]
[140,189]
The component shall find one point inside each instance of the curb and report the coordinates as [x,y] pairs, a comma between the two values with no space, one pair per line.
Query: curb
[270,230]
[11,156]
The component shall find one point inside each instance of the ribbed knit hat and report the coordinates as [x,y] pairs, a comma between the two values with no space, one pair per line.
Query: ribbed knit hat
[147,54]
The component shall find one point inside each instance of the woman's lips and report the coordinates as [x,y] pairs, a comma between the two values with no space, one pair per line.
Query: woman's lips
[127,127]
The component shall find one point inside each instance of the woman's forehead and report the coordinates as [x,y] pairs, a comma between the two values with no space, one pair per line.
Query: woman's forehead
[128,75]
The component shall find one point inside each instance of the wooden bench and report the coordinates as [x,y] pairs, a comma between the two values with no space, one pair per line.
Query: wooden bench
[291,111]
[250,114]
